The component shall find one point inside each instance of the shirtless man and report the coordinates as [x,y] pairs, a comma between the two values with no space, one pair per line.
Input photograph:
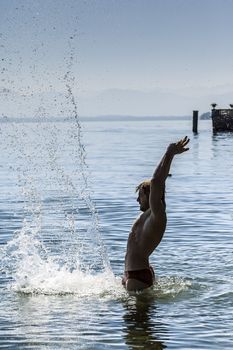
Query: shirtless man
[148,229]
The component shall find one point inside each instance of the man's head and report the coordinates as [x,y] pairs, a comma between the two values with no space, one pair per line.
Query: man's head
[143,190]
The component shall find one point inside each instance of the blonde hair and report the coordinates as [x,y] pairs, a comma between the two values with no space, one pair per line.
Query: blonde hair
[145,185]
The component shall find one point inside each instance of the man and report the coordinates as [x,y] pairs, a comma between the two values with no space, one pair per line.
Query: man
[147,231]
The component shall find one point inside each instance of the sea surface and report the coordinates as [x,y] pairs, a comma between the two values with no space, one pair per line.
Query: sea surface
[67,203]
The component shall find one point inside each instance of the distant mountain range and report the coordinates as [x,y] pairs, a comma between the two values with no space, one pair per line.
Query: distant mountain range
[86,118]
[124,103]
[206,115]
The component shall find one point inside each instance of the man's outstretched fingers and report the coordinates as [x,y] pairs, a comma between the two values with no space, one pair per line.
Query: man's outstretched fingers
[185,141]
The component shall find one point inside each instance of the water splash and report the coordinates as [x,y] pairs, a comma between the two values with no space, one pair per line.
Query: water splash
[38,273]
[170,287]
[76,133]
[59,248]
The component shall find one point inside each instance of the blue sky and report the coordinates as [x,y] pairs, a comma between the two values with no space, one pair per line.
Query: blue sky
[160,57]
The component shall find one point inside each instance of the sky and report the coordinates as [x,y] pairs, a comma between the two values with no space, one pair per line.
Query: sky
[124,57]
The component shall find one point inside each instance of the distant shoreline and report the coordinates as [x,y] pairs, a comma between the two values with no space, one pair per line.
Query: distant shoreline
[93,119]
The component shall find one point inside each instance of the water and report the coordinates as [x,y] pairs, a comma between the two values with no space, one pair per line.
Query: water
[58,237]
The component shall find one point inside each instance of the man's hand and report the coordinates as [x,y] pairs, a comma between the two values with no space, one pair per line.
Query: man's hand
[178,147]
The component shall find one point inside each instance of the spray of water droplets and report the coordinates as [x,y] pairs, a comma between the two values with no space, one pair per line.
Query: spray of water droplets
[57,247]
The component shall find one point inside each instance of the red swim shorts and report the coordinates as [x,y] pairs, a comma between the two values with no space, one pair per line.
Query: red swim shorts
[146,276]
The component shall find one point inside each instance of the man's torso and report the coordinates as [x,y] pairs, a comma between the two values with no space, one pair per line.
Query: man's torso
[144,237]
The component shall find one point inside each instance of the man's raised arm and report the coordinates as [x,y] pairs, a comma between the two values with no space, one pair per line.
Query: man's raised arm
[162,171]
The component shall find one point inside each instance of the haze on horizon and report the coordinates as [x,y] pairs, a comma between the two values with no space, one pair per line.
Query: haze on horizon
[153,57]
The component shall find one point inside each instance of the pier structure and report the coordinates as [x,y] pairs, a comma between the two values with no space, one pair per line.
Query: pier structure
[222,118]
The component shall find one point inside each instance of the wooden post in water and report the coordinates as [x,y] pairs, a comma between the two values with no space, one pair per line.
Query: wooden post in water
[195,122]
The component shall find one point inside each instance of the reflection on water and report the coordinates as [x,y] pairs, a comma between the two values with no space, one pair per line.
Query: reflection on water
[143,328]
[220,142]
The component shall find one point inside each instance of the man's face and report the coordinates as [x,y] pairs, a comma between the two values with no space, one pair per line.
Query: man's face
[143,200]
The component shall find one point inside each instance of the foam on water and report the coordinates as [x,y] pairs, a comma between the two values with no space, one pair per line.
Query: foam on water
[171,286]
[33,271]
